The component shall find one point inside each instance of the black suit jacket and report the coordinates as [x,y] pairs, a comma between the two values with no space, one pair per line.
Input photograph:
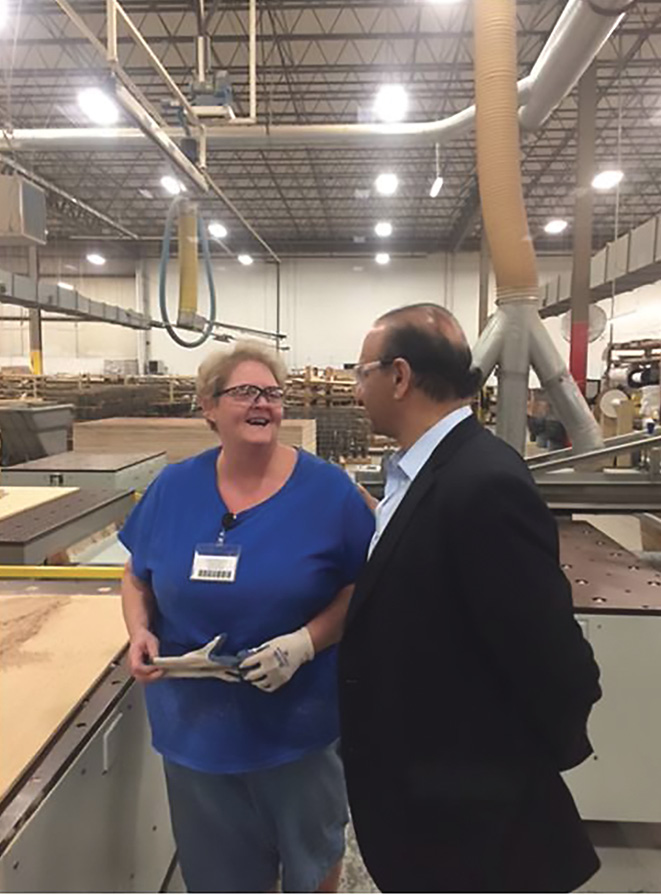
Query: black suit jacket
[466,685]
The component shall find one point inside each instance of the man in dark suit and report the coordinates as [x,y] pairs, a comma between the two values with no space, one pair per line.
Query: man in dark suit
[465,682]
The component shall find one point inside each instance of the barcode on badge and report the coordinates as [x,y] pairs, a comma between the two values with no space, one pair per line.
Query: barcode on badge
[223,574]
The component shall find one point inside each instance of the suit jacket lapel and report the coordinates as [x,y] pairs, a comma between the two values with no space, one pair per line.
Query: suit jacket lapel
[468,428]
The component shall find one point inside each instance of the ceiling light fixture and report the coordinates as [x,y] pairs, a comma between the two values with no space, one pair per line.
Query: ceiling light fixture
[386,184]
[556,226]
[171,185]
[391,103]
[383,229]
[98,106]
[437,185]
[246,260]
[607,180]
[96,259]
[3,13]
[382,258]
[217,230]
[67,286]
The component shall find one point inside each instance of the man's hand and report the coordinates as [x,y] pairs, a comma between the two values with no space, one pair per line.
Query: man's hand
[143,648]
[273,663]
[372,502]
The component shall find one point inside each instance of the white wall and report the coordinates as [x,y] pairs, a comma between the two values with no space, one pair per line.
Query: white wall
[327,305]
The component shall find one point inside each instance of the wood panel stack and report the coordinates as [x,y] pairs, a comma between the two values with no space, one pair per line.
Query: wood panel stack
[315,387]
[343,433]
[178,437]
[98,397]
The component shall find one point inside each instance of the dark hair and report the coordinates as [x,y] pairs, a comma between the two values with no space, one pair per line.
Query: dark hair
[442,367]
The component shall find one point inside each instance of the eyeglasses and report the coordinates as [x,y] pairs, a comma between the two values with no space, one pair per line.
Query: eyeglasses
[362,371]
[248,394]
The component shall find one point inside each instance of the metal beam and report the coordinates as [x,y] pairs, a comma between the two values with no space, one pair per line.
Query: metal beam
[36,335]
[468,217]
[580,283]
[625,445]
[485,270]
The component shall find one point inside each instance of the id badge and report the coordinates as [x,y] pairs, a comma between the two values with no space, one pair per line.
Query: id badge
[215,562]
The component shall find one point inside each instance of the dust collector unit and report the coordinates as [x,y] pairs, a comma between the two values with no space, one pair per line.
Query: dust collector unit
[22,212]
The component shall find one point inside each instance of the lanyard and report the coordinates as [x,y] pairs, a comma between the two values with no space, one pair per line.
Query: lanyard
[228,521]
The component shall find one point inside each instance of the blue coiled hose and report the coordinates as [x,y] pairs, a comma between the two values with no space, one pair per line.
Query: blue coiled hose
[163,278]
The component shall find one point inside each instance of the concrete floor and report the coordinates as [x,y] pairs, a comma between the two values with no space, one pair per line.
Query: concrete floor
[630,855]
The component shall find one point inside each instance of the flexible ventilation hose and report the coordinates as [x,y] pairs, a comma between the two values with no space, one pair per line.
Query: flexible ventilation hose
[498,151]
[163,278]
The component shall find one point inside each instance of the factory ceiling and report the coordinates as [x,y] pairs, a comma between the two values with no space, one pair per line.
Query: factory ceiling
[320,63]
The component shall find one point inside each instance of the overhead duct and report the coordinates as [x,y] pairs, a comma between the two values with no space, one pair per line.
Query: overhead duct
[515,335]
[577,37]
[498,151]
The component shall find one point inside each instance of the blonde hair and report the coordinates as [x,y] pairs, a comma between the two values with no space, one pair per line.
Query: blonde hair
[216,369]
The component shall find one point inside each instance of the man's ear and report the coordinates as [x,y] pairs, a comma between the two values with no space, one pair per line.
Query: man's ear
[403,378]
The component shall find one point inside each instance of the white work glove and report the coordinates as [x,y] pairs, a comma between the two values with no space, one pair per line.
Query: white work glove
[272,664]
[197,664]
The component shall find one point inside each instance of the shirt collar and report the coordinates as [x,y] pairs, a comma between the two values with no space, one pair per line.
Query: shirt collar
[410,462]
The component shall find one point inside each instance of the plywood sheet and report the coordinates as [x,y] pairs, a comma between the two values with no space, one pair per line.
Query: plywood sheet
[53,648]
[16,498]
[179,437]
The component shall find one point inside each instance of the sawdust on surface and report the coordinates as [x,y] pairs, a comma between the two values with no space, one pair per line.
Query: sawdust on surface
[22,619]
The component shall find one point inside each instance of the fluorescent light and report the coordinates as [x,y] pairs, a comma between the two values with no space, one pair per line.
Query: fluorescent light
[96,259]
[98,106]
[607,180]
[3,13]
[382,258]
[383,229]
[246,260]
[436,187]
[67,286]
[171,185]
[217,230]
[386,184]
[391,103]
[556,226]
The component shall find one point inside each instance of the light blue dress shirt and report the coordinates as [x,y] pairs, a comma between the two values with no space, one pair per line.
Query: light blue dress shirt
[403,467]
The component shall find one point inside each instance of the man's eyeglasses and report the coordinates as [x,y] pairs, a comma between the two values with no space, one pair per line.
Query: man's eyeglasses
[362,371]
[248,394]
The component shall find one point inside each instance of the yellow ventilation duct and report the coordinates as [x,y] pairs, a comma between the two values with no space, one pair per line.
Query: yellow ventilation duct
[515,335]
[187,262]
[498,150]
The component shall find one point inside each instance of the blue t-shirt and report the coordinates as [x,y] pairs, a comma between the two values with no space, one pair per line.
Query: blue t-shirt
[299,548]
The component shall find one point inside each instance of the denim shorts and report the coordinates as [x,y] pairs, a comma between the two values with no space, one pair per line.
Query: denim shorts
[244,832]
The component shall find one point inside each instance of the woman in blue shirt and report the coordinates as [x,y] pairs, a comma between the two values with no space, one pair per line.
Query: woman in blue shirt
[262,543]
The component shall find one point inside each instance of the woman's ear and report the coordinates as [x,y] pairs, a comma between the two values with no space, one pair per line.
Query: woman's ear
[208,405]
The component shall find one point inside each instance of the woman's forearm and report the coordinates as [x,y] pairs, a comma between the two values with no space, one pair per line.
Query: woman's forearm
[137,602]
[326,628]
